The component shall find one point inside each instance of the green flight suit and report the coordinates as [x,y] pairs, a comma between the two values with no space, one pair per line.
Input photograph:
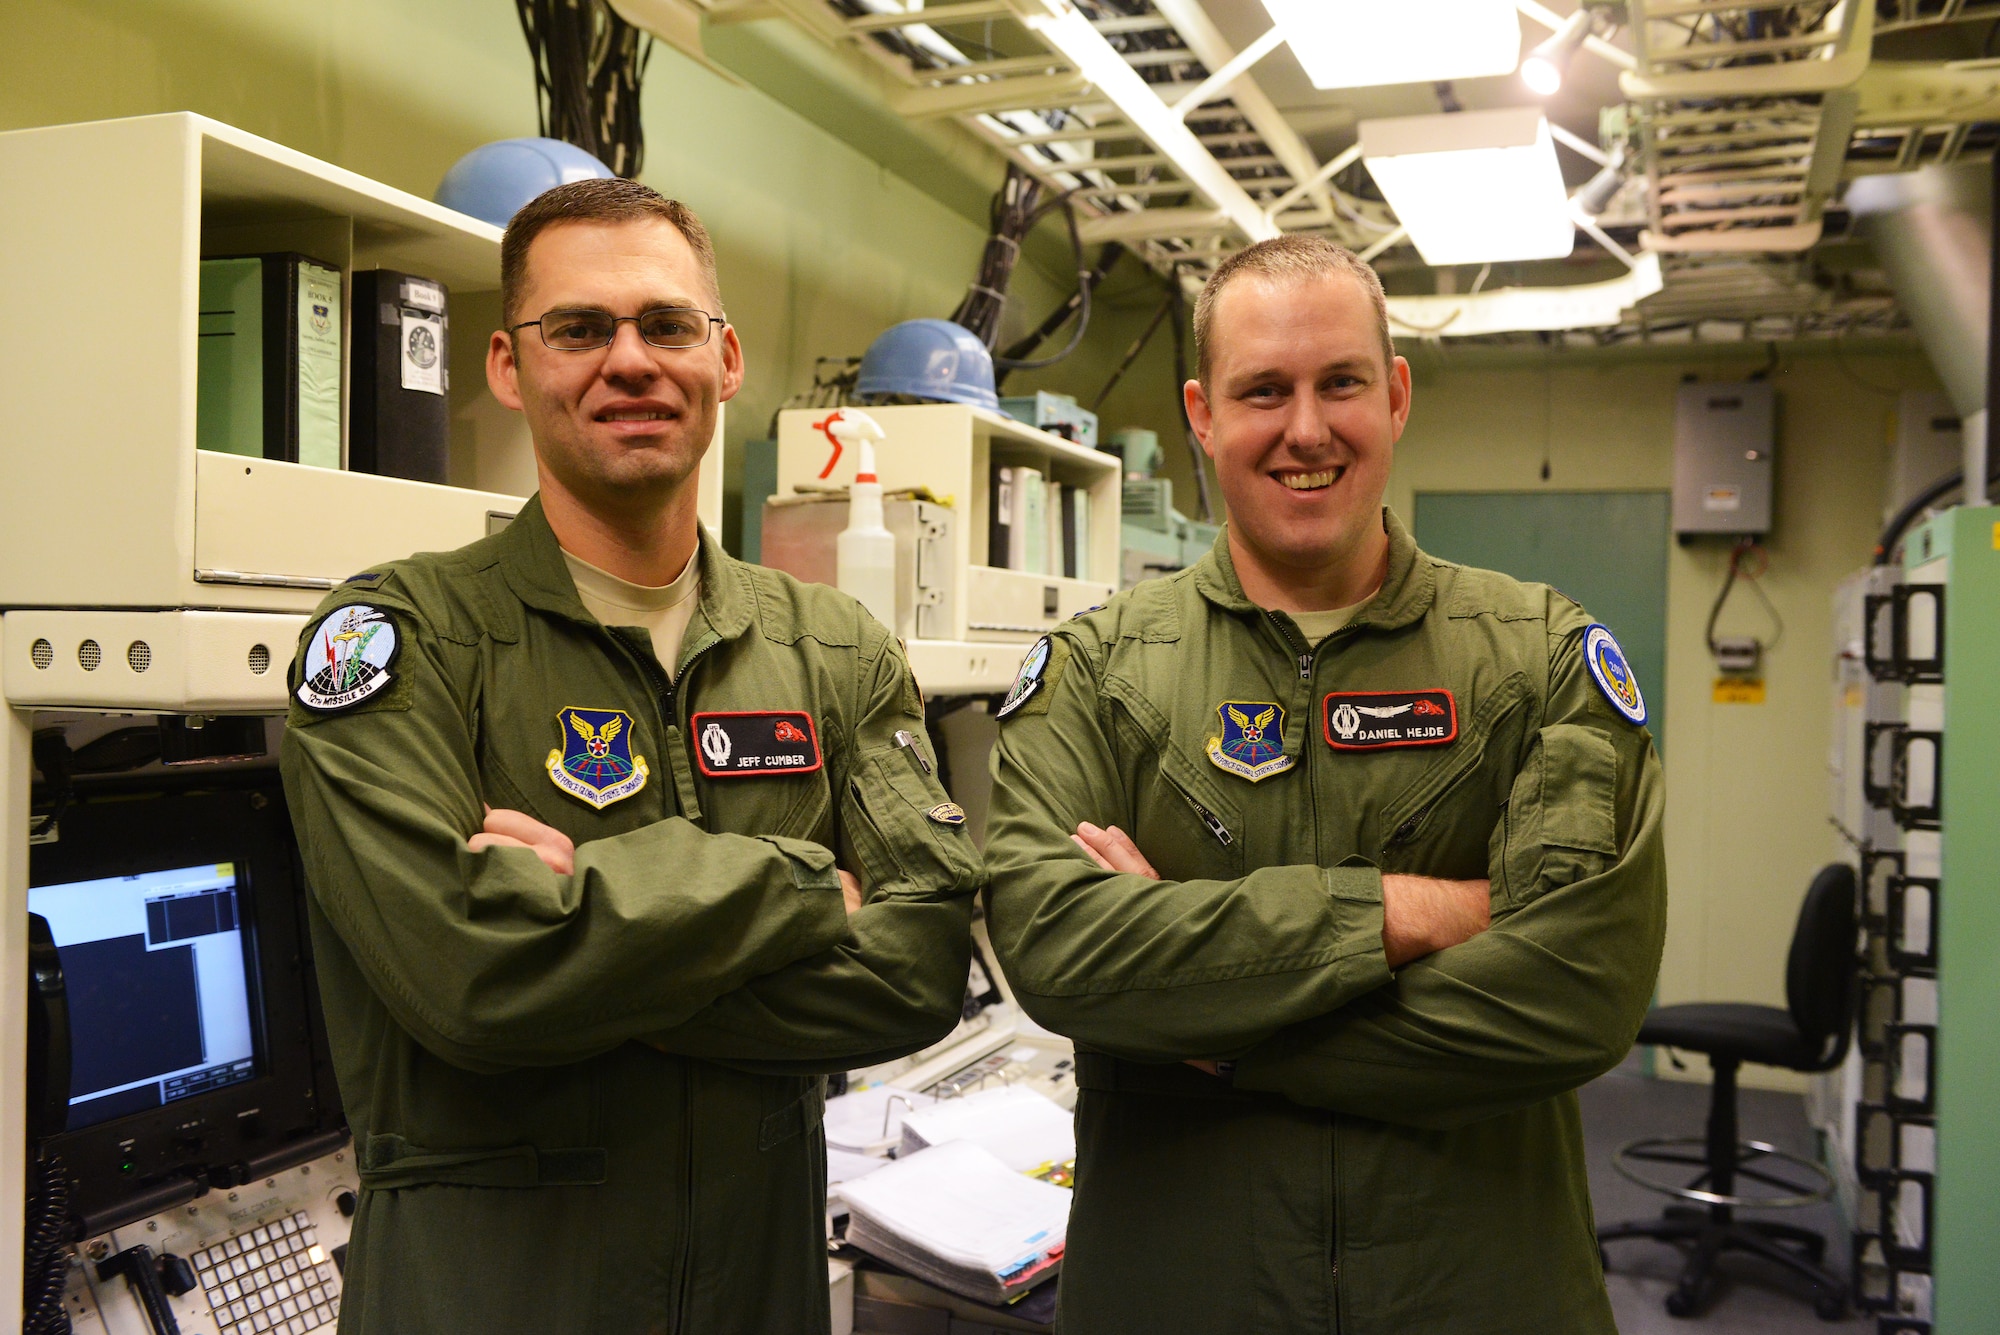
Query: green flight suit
[592,1102]
[1393,1154]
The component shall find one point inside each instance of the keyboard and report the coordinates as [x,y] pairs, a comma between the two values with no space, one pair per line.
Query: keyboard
[274,1278]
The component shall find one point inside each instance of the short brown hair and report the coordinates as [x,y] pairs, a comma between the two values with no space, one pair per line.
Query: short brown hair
[1292,257]
[607,200]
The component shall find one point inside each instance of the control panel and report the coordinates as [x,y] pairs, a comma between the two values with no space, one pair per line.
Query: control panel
[263,1257]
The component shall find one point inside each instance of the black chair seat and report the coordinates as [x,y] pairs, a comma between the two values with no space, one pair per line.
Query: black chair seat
[1762,1034]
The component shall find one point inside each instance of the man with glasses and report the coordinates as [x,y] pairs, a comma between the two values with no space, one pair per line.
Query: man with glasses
[615,844]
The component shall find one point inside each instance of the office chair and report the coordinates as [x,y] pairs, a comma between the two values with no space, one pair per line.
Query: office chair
[1811,1035]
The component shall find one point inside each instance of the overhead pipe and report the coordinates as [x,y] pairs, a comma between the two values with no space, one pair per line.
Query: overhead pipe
[1933,231]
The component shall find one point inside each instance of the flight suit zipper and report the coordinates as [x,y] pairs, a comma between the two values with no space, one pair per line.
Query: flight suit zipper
[666,699]
[1305,656]
[1208,818]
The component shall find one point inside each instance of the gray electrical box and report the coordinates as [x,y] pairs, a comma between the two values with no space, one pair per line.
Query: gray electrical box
[1725,440]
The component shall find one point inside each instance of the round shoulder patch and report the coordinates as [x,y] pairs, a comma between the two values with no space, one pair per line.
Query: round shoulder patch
[1028,680]
[349,658]
[1613,673]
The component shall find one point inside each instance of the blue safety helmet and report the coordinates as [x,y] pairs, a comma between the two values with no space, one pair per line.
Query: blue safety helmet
[493,181]
[928,359]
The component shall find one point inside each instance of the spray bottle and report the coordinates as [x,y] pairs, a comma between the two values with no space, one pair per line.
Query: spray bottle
[865,555]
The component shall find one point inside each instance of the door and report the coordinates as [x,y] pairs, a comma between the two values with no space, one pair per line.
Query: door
[1606,549]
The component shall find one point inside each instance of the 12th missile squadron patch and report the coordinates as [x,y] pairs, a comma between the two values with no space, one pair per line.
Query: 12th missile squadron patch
[349,658]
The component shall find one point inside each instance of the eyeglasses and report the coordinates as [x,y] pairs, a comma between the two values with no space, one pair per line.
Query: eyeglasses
[663,327]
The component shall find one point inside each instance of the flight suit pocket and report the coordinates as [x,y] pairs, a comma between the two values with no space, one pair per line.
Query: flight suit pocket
[1185,828]
[910,838]
[1561,824]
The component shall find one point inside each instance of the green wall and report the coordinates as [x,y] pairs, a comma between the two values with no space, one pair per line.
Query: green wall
[821,243]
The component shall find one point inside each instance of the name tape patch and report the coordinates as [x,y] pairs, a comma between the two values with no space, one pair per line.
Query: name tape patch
[735,745]
[1376,720]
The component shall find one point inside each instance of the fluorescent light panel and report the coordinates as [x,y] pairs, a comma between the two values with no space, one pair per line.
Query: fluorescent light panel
[1474,187]
[1364,43]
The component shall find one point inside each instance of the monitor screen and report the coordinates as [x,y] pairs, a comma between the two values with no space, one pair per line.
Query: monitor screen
[160,985]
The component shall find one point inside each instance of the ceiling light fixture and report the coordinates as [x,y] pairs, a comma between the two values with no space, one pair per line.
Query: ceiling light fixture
[1545,67]
[1475,187]
[1365,43]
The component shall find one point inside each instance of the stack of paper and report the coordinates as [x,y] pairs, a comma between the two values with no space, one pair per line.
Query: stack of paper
[1019,1127]
[958,1218]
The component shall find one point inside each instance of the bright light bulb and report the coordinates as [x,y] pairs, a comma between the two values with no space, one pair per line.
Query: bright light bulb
[1543,69]
[1543,76]
[1366,43]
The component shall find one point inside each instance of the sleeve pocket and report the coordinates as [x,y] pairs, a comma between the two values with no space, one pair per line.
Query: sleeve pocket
[1561,823]
[906,851]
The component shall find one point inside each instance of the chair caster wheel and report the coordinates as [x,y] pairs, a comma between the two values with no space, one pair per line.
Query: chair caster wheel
[1681,1303]
[1830,1307]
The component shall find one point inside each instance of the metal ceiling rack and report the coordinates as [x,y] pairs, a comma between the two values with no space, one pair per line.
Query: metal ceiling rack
[1748,118]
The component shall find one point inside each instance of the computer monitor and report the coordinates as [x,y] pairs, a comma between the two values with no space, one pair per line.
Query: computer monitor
[196,1053]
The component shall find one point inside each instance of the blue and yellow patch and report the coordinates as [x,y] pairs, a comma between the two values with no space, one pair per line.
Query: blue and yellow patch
[1613,674]
[595,763]
[1252,744]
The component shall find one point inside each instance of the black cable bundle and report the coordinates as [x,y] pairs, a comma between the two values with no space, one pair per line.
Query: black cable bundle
[588,67]
[1014,214]
[47,1271]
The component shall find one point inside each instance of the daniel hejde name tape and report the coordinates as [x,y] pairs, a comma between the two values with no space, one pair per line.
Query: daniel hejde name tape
[1375,720]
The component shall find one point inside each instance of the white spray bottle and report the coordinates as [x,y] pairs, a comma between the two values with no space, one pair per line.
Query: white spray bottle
[865,554]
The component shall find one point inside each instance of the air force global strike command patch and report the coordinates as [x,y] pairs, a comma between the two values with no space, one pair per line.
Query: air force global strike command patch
[1028,680]
[748,743]
[1613,673]
[595,763]
[349,658]
[1376,720]
[1252,744]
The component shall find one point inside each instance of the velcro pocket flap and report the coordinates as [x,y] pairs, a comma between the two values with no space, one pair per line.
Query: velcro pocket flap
[906,850]
[1561,823]
[1579,789]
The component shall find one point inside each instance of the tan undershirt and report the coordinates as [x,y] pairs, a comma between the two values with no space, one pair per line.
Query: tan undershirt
[663,610]
[1316,626]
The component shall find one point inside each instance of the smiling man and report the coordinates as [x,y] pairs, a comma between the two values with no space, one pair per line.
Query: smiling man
[1250,825]
[615,844]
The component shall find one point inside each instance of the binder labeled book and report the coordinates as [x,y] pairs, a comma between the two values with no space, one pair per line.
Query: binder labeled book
[267,378]
[398,423]
[1000,518]
[1031,522]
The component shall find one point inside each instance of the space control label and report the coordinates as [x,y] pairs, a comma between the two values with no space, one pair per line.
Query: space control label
[1372,720]
[761,742]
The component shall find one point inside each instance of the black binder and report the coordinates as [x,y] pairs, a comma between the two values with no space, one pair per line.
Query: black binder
[398,418]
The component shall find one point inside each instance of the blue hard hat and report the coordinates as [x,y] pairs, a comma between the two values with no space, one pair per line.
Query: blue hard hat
[928,359]
[493,181]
